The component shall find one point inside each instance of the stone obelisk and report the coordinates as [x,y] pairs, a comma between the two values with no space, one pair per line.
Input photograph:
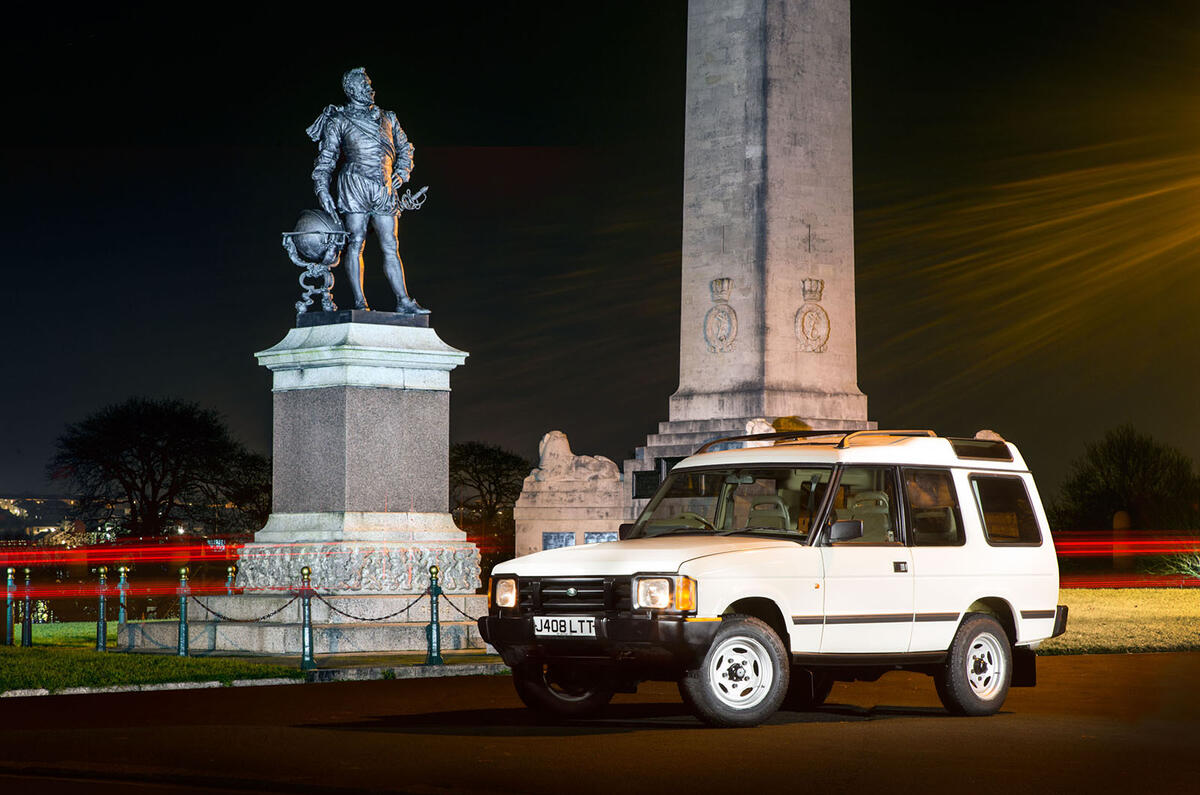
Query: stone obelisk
[767,324]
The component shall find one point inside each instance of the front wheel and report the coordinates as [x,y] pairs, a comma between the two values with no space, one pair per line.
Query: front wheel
[559,691]
[743,678]
[978,669]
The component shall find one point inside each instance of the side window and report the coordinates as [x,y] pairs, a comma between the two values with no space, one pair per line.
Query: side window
[868,494]
[1008,516]
[933,513]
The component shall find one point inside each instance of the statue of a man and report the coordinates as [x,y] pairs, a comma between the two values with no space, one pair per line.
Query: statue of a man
[376,160]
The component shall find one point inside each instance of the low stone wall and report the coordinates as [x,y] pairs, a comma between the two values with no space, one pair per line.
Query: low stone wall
[333,633]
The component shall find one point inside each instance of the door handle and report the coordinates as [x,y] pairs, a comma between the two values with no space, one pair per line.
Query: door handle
[899,566]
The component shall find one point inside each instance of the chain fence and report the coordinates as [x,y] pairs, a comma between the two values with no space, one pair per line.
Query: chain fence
[224,617]
[18,606]
[352,617]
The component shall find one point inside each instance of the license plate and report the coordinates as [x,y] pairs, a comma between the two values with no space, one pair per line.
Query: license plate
[565,626]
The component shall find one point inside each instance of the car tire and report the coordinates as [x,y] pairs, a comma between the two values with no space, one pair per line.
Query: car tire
[807,690]
[743,677]
[554,691]
[978,668]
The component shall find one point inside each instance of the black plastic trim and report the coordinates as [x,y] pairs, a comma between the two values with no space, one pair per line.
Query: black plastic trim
[878,618]
[931,617]
[905,658]
[1039,614]
[650,641]
[1060,621]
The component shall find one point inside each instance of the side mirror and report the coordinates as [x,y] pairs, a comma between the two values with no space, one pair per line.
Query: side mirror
[624,530]
[845,530]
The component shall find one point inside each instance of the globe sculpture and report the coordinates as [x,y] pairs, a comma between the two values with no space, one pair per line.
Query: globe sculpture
[316,245]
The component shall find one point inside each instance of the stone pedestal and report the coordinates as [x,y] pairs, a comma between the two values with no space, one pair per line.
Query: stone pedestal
[574,499]
[360,495]
[361,481]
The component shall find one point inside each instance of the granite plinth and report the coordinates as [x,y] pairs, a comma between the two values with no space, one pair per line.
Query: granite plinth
[361,449]
[308,319]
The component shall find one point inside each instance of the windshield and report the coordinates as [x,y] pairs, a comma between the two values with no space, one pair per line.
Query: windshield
[773,501]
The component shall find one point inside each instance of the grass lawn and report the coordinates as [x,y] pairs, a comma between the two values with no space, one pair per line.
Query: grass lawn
[62,657]
[79,634]
[56,668]
[1121,620]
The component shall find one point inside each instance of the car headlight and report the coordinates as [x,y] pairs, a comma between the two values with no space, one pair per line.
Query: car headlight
[665,593]
[654,593]
[504,592]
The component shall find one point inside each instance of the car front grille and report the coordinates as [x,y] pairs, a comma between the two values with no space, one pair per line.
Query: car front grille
[576,595]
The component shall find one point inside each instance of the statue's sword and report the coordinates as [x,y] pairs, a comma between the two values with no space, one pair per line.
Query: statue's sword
[413,201]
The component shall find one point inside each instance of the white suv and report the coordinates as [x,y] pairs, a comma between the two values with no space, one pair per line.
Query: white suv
[759,575]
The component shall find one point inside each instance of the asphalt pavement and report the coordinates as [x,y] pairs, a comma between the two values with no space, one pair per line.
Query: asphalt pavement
[1102,723]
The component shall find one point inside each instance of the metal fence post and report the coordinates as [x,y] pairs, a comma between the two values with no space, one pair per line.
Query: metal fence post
[433,632]
[307,663]
[229,577]
[122,584]
[182,646]
[27,616]
[101,623]
[8,606]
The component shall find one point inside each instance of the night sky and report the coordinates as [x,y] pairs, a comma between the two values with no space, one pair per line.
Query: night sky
[1027,192]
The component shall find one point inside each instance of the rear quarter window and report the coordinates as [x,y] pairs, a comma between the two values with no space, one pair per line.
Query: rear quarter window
[933,515]
[1006,510]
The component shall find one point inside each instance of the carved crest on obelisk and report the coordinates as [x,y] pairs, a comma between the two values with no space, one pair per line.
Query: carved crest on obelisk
[720,323]
[812,322]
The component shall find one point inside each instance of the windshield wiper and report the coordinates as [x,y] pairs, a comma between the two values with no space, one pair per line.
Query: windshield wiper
[680,530]
[757,528]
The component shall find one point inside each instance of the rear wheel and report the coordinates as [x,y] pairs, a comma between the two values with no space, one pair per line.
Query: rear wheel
[978,669]
[743,678]
[560,691]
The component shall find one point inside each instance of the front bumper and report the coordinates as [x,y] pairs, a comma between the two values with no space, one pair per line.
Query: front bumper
[668,643]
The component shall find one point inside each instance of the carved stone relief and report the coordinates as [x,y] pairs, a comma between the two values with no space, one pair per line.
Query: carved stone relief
[720,323]
[812,321]
[359,568]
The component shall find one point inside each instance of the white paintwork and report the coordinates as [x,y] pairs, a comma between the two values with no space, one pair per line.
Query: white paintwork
[846,580]
[664,554]
[361,354]
[861,580]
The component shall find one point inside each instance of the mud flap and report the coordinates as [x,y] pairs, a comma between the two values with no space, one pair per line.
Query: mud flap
[1024,667]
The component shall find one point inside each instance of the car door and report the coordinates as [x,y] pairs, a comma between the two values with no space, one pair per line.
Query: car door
[945,578]
[868,581]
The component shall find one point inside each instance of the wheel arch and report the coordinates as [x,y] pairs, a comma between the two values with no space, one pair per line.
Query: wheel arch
[999,609]
[764,609]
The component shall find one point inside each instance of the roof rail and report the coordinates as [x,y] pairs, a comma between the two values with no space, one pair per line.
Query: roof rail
[766,437]
[783,436]
[856,434]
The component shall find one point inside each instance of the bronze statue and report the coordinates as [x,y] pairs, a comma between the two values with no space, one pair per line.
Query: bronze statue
[376,160]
